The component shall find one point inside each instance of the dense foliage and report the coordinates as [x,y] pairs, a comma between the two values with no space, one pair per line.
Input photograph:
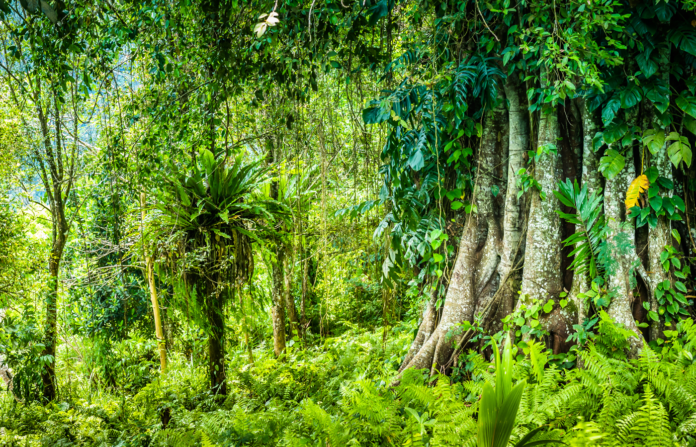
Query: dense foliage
[226,222]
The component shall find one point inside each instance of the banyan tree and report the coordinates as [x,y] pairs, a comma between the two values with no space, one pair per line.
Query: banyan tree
[538,168]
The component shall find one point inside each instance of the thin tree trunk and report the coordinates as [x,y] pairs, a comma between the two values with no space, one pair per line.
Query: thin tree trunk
[590,178]
[278,297]
[661,235]
[290,300]
[513,243]
[216,342]
[149,268]
[51,331]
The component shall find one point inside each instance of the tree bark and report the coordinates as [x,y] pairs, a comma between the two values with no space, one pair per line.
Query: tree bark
[290,300]
[278,297]
[149,269]
[621,241]
[661,235]
[474,268]
[592,179]
[216,342]
[512,254]
[542,277]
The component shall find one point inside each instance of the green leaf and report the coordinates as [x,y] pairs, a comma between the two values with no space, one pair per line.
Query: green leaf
[630,96]
[456,205]
[690,124]
[656,203]
[653,316]
[679,203]
[614,132]
[654,140]
[676,263]
[665,182]
[563,303]
[221,234]
[680,285]
[668,205]
[207,159]
[687,104]
[495,190]
[610,110]
[507,414]
[548,307]
[611,163]
[437,257]
[678,151]
[415,161]
[652,174]
[646,64]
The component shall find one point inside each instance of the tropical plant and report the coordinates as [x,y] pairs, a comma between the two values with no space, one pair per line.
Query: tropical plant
[499,405]
[589,221]
[207,217]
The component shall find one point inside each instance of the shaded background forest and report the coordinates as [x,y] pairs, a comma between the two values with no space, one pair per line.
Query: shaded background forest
[302,223]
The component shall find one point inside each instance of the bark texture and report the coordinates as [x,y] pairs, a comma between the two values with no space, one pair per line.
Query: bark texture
[542,278]
[591,178]
[474,275]
[621,241]
[278,297]
[216,344]
[660,236]
[153,296]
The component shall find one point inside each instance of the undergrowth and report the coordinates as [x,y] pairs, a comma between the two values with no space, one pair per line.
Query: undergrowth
[342,393]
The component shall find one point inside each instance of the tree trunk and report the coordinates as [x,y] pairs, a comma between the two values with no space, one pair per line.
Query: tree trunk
[621,241]
[216,343]
[661,235]
[512,255]
[51,331]
[290,300]
[592,179]
[542,277]
[149,269]
[278,297]
[474,270]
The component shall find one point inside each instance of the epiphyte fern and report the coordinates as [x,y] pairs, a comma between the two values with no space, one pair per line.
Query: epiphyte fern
[589,219]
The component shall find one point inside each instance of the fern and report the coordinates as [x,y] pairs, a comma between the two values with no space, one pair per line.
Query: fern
[648,426]
[590,223]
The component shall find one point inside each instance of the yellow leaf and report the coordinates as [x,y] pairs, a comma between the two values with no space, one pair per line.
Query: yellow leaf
[638,186]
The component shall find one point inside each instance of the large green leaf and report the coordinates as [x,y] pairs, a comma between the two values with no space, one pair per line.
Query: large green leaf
[679,150]
[687,104]
[646,64]
[614,132]
[609,111]
[630,96]
[654,140]
[507,414]
[611,163]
